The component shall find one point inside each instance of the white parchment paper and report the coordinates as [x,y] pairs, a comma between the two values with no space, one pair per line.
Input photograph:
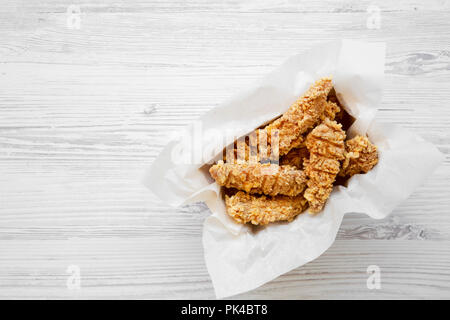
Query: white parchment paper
[241,259]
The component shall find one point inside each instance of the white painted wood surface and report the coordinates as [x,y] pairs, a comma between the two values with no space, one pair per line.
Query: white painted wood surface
[83,113]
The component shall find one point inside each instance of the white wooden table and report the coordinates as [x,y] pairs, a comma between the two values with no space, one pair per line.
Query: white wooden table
[83,111]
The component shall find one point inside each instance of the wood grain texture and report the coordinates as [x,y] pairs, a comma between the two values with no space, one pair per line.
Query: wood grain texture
[84,111]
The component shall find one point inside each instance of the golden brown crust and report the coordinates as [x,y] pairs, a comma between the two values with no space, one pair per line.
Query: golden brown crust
[331,109]
[360,156]
[295,157]
[302,115]
[261,210]
[269,179]
[288,130]
[326,146]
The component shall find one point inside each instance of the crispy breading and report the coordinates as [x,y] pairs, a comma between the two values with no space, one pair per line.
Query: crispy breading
[331,109]
[295,157]
[360,156]
[297,143]
[326,146]
[240,152]
[302,115]
[261,210]
[269,179]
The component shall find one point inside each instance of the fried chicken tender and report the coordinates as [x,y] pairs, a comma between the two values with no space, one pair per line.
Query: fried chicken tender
[269,179]
[295,157]
[302,115]
[326,146]
[360,156]
[261,210]
[287,132]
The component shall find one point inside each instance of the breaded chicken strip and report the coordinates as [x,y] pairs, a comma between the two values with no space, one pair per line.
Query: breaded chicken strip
[287,132]
[295,157]
[261,210]
[269,179]
[360,156]
[249,151]
[326,146]
[302,115]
